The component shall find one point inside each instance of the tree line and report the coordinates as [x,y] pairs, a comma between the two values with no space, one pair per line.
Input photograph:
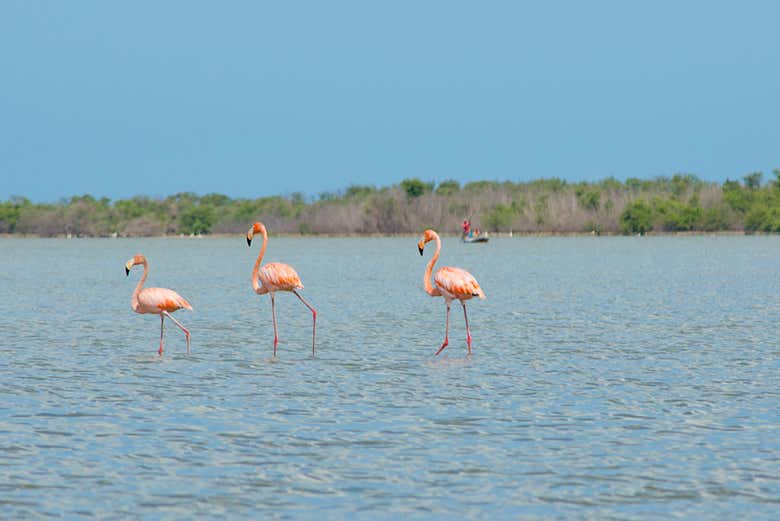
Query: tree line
[682,202]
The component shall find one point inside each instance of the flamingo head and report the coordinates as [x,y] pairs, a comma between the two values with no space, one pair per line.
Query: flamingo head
[138,259]
[258,227]
[428,236]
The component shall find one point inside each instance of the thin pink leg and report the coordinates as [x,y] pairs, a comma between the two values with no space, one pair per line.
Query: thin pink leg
[162,320]
[446,331]
[314,320]
[468,331]
[186,332]
[273,314]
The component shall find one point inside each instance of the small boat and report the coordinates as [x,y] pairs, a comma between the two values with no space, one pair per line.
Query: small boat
[475,238]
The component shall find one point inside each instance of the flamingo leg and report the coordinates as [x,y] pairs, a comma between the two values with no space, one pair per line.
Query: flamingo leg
[446,331]
[468,331]
[186,332]
[162,320]
[273,314]
[314,319]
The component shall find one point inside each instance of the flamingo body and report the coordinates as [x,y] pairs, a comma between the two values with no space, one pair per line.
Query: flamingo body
[457,283]
[158,301]
[276,276]
[451,283]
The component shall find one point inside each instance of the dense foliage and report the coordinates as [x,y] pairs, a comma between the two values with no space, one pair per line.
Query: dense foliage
[668,204]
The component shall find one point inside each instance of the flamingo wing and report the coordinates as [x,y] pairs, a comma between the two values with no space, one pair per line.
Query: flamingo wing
[157,300]
[458,282]
[279,276]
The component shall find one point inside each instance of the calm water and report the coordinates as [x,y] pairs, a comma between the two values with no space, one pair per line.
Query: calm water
[626,378]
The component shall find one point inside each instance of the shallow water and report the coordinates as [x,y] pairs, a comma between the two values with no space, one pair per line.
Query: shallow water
[628,378]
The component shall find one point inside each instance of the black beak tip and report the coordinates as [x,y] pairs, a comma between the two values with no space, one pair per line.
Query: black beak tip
[420,250]
[248,241]
[127,271]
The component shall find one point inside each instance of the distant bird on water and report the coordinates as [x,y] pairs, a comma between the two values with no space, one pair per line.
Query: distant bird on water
[160,301]
[276,276]
[451,283]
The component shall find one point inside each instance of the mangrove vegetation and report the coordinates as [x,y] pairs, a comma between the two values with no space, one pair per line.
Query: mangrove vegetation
[682,202]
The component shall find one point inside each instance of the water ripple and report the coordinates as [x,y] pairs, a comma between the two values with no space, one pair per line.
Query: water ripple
[612,378]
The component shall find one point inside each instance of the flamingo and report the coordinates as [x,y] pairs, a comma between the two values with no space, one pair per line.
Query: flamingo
[276,276]
[160,301]
[451,283]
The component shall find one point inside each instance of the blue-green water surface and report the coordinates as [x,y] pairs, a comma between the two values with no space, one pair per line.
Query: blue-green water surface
[612,378]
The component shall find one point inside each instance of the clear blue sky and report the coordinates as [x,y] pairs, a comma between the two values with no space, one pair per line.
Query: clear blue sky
[256,98]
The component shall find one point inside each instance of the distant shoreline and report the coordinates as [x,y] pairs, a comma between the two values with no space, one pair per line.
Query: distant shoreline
[679,205]
[390,235]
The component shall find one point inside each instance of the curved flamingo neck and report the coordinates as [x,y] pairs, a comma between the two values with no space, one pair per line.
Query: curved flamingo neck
[140,285]
[429,288]
[256,269]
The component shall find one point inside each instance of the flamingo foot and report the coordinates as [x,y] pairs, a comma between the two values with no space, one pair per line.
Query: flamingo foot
[445,344]
[468,341]
[160,351]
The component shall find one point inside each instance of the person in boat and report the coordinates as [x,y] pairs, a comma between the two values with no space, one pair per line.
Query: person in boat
[467,231]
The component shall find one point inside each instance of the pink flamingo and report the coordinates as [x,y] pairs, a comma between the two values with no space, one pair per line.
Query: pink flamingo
[451,283]
[276,276]
[160,301]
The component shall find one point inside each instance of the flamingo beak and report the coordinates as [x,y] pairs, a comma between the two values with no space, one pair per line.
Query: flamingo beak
[248,240]
[420,249]
[127,270]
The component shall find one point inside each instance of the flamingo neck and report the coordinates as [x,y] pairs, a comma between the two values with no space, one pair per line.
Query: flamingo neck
[256,269]
[429,288]
[134,299]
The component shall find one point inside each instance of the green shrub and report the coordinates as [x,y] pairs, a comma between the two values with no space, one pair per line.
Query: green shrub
[716,218]
[10,211]
[675,216]
[358,191]
[500,218]
[635,185]
[680,184]
[540,209]
[589,198]
[760,218]
[753,181]
[415,187]
[736,197]
[215,200]
[478,187]
[448,188]
[689,218]
[611,184]
[756,218]
[636,218]
[197,220]
[551,184]
[127,209]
